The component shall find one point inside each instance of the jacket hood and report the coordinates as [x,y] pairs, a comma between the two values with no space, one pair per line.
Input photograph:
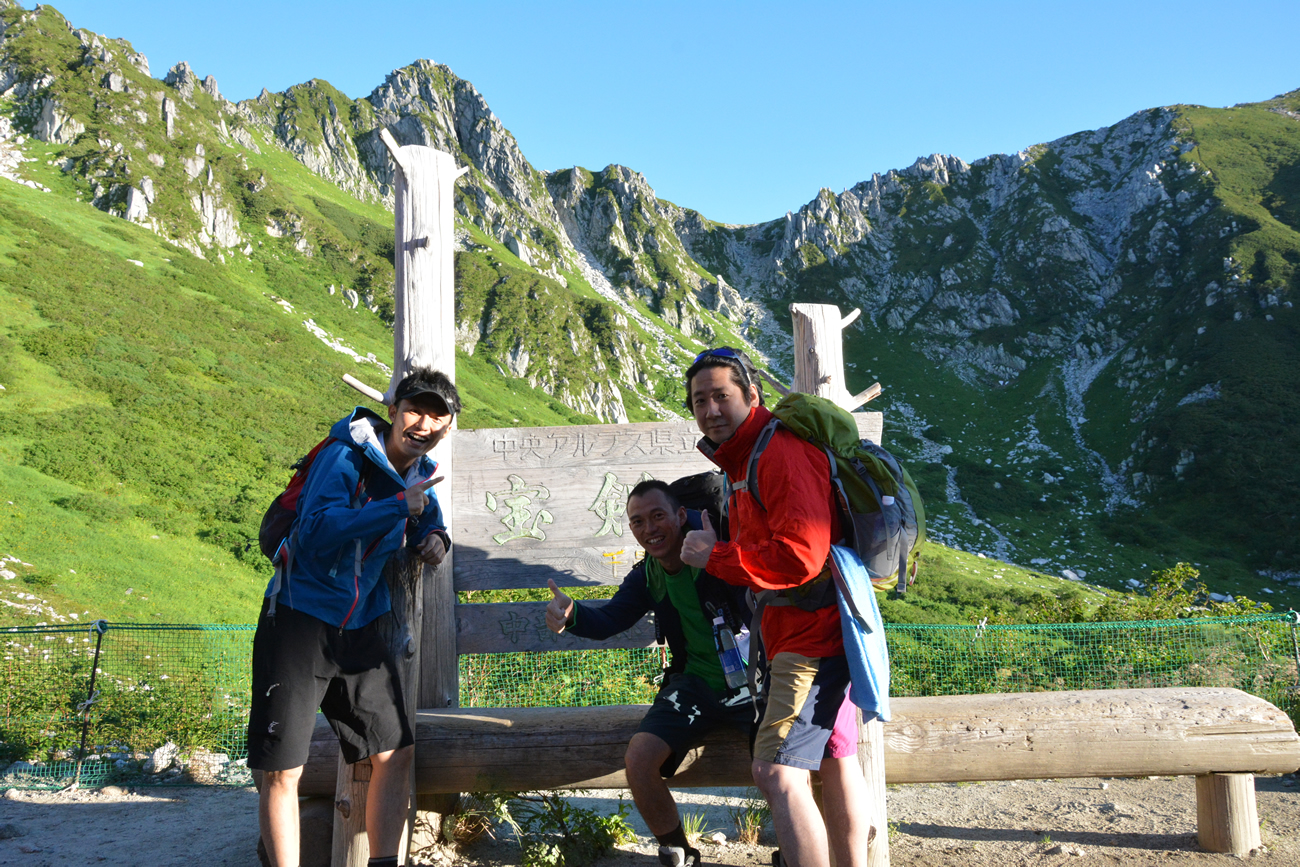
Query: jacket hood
[365,429]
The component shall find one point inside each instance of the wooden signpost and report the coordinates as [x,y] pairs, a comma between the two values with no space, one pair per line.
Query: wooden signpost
[423,628]
[548,503]
[539,503]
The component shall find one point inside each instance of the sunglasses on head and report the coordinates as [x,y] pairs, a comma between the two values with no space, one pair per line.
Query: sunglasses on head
[720,352]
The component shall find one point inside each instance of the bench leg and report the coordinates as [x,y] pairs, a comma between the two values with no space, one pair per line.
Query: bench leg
[871,755]
[351,848]
[1225,813]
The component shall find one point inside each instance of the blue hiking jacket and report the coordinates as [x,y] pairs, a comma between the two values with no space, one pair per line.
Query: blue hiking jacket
[332,577]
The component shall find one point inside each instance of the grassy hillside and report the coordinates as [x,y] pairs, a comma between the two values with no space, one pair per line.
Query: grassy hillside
[150,410]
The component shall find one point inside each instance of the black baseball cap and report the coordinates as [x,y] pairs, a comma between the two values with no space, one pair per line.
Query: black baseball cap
[432,383]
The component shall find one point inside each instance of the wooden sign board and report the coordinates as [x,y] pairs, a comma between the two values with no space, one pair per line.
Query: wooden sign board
[550,502]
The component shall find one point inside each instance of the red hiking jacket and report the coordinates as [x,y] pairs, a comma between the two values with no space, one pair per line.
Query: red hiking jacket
[786,544]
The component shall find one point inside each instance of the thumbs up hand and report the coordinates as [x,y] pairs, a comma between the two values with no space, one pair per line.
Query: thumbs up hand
[698,544]
[559,609]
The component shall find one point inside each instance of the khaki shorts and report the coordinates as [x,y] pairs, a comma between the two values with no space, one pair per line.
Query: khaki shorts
[809,716]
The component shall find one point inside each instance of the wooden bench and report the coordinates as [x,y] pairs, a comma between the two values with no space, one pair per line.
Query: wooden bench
[1221,736]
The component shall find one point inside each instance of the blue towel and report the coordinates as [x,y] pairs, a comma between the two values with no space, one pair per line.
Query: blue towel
[864,633]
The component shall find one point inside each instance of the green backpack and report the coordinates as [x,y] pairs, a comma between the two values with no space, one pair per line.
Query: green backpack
[880,509]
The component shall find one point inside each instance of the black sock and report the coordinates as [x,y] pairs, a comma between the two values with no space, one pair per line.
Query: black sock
[390,861]
[675,837]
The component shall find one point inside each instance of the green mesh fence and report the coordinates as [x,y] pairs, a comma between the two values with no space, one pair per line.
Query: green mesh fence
[1257,654]
[188,686]
[153,685]
[560,678]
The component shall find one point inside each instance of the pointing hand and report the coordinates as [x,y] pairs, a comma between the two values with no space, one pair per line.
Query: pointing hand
[417,496]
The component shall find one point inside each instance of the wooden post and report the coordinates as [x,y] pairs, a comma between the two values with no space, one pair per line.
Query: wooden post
[424,257]
[1225,813]
[423,336]
[819,370]
[871,758]
[350,847]
[819,354]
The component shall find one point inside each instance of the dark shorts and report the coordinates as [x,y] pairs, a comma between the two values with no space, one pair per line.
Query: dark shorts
[808,716]
[301,663]
[685,710]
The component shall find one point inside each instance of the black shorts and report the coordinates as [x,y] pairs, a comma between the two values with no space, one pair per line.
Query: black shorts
[685,710]
[301,663]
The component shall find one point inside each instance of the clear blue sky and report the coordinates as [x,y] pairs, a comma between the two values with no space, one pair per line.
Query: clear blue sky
[743,110]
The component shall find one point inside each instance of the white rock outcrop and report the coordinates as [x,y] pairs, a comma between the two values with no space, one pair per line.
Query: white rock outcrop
[56,127]
[183,79]
[137,205]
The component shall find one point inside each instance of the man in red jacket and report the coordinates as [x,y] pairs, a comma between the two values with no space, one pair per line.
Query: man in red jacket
[782,544]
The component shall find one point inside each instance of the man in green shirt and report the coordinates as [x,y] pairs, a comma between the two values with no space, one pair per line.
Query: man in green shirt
[695,697]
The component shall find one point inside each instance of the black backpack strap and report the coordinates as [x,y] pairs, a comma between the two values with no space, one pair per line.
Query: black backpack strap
[283,568]
[757,601]
[715,602]
[900,589]
[750,481]
[849,601]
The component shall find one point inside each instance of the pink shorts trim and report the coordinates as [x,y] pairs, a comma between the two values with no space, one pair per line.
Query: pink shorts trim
[844,737]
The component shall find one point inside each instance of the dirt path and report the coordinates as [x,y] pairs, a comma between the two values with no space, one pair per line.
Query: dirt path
[1075,822]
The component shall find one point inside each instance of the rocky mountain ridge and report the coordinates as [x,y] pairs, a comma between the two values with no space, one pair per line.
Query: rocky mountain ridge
[1089,287]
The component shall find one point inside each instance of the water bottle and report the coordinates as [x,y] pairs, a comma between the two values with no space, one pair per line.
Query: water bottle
[733,667]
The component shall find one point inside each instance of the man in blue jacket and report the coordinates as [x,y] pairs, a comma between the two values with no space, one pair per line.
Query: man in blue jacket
[694,697]
[318,644]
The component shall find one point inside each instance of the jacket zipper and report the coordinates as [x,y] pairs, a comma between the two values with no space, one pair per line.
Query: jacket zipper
[356,581]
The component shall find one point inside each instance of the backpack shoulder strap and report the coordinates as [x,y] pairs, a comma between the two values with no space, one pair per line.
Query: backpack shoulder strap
[363,480]
[714,601]
[758,600]
[750,481]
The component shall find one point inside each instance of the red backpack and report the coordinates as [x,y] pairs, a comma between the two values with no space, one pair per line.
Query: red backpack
[283,511]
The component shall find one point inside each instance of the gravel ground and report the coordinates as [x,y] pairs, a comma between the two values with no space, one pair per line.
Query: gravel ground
[1075,822]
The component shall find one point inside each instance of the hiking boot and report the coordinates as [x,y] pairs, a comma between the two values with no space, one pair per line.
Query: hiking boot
[676,856]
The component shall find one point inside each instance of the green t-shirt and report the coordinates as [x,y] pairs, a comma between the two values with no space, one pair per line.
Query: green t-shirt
[701,653]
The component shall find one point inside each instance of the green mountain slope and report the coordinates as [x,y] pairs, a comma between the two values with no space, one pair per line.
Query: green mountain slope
[150,410]
[1087,347]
